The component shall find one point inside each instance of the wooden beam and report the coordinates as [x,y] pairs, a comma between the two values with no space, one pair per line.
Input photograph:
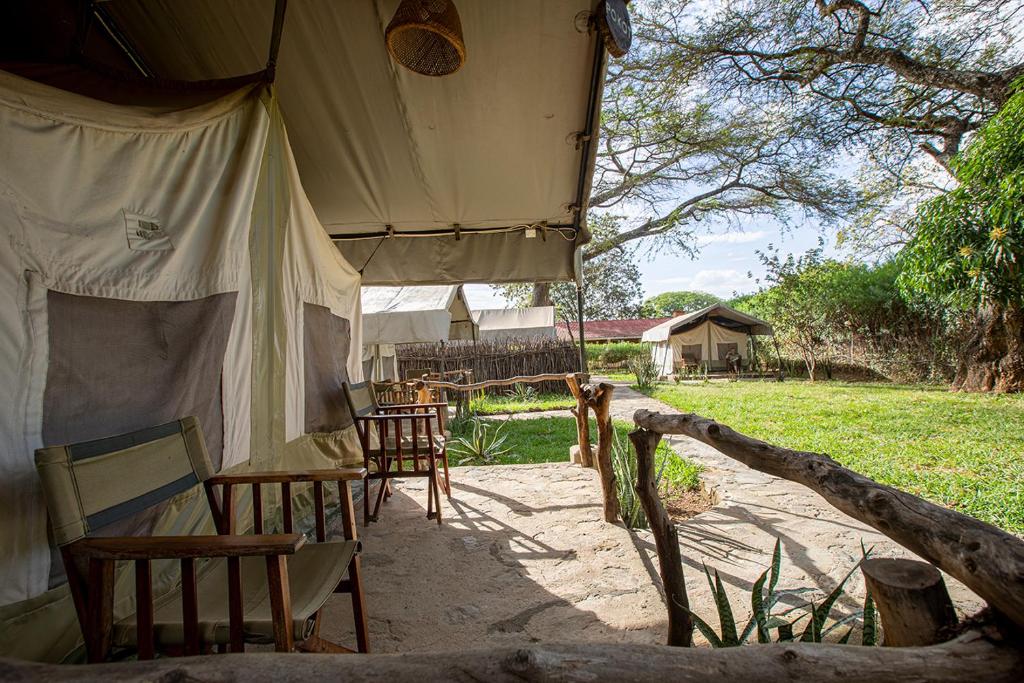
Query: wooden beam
[598,398]
[973,656]
[912,600]
[670,563]
[986,559]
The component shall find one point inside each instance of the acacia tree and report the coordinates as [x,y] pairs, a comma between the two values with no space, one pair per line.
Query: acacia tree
[886,80]
[968,248]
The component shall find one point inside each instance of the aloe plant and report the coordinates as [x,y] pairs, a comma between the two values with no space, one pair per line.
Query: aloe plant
[481,445]
[522,392]
[624,465]
[762,621]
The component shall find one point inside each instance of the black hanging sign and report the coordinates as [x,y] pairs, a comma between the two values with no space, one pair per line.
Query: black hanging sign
[613,20]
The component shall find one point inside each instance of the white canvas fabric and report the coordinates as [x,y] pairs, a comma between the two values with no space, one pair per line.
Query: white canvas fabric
[491,146]
[516,323]
[417,314]
[150,205]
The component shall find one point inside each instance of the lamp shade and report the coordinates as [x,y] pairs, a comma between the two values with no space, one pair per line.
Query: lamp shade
[426,37]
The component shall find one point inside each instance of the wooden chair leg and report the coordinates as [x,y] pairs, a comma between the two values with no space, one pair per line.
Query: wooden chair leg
[280,602]
[100,598]
[355,577]
[437,491]
[447,477]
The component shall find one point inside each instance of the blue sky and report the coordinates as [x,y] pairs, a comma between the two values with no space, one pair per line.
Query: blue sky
[720,267]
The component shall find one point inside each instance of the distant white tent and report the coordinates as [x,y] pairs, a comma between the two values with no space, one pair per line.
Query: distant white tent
[410,315]
[703,337]
[516,323]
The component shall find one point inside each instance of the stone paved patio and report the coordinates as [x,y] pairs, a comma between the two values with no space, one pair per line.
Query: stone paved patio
[524,555]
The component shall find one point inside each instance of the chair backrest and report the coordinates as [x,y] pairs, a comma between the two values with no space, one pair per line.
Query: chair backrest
[416,373]
[92,484]
[361,402]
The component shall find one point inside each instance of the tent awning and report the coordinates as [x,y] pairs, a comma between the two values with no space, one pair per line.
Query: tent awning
[415,314]
[718,313]
[396,163]
[505,323]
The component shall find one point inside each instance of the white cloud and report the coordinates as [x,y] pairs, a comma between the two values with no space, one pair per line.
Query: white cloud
[720,282]
[731,237]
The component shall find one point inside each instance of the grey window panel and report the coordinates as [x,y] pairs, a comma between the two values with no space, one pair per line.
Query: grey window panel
[326,342]
[118,366]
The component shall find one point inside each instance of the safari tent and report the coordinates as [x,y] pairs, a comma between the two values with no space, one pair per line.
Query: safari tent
[192,194]
[410,315]
[532,322]
[703,338]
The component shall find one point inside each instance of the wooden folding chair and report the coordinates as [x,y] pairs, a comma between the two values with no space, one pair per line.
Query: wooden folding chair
[401,441]
[256,588]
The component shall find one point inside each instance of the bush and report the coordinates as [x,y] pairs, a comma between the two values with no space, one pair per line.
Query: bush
[645,370]
[615,353]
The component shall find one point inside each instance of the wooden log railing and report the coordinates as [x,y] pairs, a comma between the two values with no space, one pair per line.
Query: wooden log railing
[973,657]
[986,559]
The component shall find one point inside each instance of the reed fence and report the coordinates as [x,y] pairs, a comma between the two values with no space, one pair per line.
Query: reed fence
[495,359]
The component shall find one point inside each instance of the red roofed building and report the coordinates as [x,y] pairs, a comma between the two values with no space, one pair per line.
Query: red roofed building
[603,331]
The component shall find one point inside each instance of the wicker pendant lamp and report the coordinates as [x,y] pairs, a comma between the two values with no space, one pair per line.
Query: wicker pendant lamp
[426,37]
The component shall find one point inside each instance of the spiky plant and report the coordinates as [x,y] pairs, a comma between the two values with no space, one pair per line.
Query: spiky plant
[482,445]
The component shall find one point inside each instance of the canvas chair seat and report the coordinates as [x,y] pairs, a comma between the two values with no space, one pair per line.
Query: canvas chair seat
[422,441]
[314,572]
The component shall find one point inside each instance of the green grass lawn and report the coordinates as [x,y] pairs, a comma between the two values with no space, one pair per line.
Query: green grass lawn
[547,439]
[965,451]
[495,405]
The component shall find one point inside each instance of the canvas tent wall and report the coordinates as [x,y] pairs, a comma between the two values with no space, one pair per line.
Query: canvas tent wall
[704,336]
[158,263]
[420,180]
[516,323]
[410,315]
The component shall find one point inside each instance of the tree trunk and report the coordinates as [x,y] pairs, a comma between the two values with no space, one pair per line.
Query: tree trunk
[994,358]
[541,294]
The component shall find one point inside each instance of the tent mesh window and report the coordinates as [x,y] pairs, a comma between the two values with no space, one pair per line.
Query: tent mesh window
[426,37]
[691,353]
[326,341]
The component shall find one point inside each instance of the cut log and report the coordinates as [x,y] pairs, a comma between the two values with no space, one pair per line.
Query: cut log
[971,657]
[599,398]
[576,456]
[986,559]
[670,564]
[912,600]
[581,413]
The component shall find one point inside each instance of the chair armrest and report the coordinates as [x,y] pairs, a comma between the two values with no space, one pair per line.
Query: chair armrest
[284,476]
[392,406]
[398,416]
[178,547]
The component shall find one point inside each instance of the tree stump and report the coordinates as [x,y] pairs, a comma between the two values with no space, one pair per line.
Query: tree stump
[912,601]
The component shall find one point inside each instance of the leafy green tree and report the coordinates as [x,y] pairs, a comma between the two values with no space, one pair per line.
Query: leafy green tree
[667,303]
[968,248]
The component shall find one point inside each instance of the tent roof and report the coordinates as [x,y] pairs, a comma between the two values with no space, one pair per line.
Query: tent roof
[531,318]
[666,329]
[494,147]
[415,314]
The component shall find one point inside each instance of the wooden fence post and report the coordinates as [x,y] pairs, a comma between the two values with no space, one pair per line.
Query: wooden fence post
[912,600]
[599,397]
[582,415]
[670,563]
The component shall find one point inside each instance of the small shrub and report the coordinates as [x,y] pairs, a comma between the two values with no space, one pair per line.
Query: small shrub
[521,391]
[762,621]
[479,445]
[671,473]
[645,370]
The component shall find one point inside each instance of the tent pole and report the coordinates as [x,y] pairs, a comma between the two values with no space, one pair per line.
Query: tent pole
[579,319]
